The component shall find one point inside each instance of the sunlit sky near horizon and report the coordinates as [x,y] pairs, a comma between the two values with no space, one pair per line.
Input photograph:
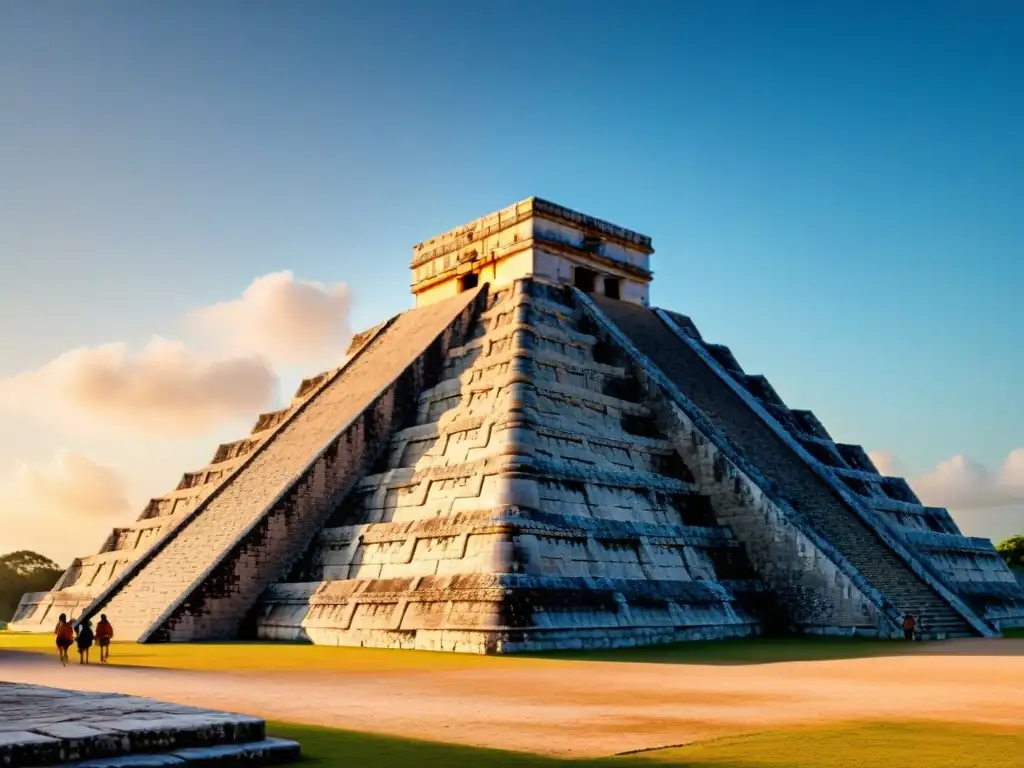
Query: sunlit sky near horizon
[834,190]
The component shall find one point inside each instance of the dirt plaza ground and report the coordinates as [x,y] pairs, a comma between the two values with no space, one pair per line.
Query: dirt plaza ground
[587,705]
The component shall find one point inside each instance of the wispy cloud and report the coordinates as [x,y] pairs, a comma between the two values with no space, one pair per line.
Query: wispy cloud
[166,388]
[887,463]
[282,318]
[73,484]
[64,508]
[962,483]
[176,388]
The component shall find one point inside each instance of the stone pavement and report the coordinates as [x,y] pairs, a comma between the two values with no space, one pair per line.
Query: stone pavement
[42,726]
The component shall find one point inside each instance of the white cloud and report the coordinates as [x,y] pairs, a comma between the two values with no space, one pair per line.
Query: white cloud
[282,318]
[74,484]
[886,463]
[63,509]
[961,484]
[166,388]
[986,503]
[170,388]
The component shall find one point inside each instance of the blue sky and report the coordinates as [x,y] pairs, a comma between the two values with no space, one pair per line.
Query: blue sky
[834,190]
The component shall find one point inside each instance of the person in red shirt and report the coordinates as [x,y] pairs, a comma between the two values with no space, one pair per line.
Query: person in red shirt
[909,625]
[104,634]
[65,637]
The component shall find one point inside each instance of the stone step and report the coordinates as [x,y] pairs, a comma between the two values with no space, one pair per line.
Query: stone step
[200,582]
[269,751]
[749,435]
[42,726]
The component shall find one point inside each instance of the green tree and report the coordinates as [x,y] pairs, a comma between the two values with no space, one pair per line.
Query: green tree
[22,572]
[1012,551]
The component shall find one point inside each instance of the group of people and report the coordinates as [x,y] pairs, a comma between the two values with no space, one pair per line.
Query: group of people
[84,637]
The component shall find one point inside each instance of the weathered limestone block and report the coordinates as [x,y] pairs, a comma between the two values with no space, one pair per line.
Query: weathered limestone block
[201,581]
[529,461]
[49,726]
[892,496]
[818,596]
[852,532]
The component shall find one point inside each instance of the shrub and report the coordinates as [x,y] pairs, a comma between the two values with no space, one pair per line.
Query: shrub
[22,572]
[1012,551]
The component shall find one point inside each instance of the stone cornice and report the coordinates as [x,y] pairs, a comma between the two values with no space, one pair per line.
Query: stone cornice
[526,209]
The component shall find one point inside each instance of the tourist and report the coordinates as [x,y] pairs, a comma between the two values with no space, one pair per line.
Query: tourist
[104,634]
[85,638]
[909,624]
[65,637]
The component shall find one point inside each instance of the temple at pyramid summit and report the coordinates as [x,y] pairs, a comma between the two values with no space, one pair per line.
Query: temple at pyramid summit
[535,458]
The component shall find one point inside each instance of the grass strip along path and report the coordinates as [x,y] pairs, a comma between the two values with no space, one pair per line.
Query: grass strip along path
[284,657]
[848,745]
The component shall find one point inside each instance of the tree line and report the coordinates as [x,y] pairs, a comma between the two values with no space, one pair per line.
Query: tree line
[24,571]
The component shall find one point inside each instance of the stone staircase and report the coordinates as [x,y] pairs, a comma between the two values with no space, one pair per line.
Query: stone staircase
[42,726]
[533,505]
[200,581]
[805,491]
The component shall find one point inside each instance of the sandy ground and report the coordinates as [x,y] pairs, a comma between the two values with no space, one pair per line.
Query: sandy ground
[575,708]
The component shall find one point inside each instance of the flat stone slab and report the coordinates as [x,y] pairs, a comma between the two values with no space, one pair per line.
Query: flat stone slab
[50,726]
[132,761]
[27,748]
[265,752]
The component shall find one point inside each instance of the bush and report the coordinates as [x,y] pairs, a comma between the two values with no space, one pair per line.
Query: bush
[22,572]
[1012,551]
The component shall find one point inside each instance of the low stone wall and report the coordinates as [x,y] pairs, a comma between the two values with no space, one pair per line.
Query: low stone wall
[502,613]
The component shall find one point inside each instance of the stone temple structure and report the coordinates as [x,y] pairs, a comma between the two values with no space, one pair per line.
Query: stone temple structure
[533,458]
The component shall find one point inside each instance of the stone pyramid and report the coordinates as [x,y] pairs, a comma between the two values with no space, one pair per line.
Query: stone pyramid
[533,458]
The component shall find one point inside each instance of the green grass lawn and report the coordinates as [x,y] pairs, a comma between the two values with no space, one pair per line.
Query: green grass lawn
[270,657]
[760,650]
[266,657]
[840,746]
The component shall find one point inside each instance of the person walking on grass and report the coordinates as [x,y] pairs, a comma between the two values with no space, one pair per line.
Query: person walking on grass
[85,638]
[104,634]
[909,625]
[65,637]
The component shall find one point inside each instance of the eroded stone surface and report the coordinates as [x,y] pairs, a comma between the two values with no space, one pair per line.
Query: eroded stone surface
[534,504]
[50,726]
[883,563]
[969,566]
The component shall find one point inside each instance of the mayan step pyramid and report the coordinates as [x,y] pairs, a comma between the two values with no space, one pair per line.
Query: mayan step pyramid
[533,458]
